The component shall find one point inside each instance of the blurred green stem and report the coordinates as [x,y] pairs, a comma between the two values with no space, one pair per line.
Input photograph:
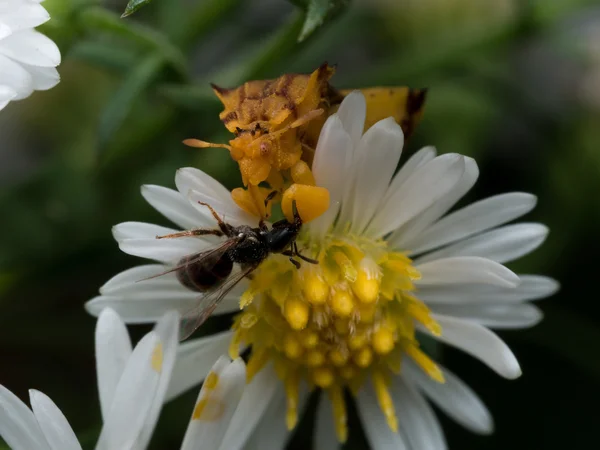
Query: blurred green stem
[202,20]
[101,19]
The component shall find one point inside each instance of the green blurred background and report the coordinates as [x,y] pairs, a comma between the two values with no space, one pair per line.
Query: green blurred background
[513,83]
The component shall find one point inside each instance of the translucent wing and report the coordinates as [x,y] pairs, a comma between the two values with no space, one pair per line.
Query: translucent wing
[208,302]
[215,253]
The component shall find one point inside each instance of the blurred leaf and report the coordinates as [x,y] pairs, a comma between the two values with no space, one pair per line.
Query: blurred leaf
[318,12]
[98,18]
[191,96]
[104,55]
[133,6]
[120,105]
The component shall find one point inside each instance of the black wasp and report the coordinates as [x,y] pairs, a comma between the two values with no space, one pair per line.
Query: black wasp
[210,271]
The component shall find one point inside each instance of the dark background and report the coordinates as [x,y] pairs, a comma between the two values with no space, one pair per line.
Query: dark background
[513,83]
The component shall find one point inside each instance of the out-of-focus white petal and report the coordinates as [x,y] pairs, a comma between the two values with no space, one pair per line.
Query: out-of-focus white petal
[31,47]
[416,418]
[531,287]
[427,185]
[194,358]
[255,400]
[376,428]
[466,269]
[18,426]
[453,397]
[505,316]
[113,349]
[502,245]
[167,330]
[54,425]
[324,437]
[472,219]
[352,113]
[133,395]
[383,144]
[175,207]
[330,168]
[15,77]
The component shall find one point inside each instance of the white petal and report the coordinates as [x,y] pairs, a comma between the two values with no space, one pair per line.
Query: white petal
[20,15]
[53,423]
[133,396]
[413,163]
[531,287]
[227,210]
[18,426]
[325,438]
[131,279]
[193,361]
[167,329]
[480,342]
[416,418]
[505,316]
[502,244]
[14,76]
[383,143]
[43,78]
[208,426]
[330,165]
[256,399]
[191,179]
[352,113]
[438,209]
[168,251]
[453,397]
[271,433]
[113,349]
[427,185]
[376,428]
[175,207]
[472,219]
[466,269]
[31,47]
[6,95]
[148,303]
[141,230]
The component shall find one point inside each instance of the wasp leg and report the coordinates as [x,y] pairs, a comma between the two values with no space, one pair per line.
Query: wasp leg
[304,258]
[226,229]
[261,224]
[291,254]
[191,233]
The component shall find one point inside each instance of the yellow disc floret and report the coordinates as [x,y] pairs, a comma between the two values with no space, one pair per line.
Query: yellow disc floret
[347,320]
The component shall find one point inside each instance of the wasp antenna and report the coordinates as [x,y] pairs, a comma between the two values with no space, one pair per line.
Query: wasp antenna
[197,143]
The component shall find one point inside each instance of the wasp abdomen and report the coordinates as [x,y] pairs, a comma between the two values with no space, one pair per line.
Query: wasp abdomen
[204,275]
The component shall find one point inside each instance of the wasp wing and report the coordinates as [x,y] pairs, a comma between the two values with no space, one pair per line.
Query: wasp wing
[208,302]
[215,253]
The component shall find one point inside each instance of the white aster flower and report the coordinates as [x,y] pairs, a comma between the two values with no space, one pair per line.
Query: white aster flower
[28,59]
[393,266]
[132,386]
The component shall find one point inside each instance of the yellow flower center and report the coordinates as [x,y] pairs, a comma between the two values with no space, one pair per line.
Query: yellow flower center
[335,324]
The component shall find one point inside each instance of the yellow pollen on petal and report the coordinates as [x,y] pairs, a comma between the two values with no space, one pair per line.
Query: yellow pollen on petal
[257,361]
[385,401]
[157,358]
[336,325]
[211,381]
[336,397]
[430,368]
[291,389]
